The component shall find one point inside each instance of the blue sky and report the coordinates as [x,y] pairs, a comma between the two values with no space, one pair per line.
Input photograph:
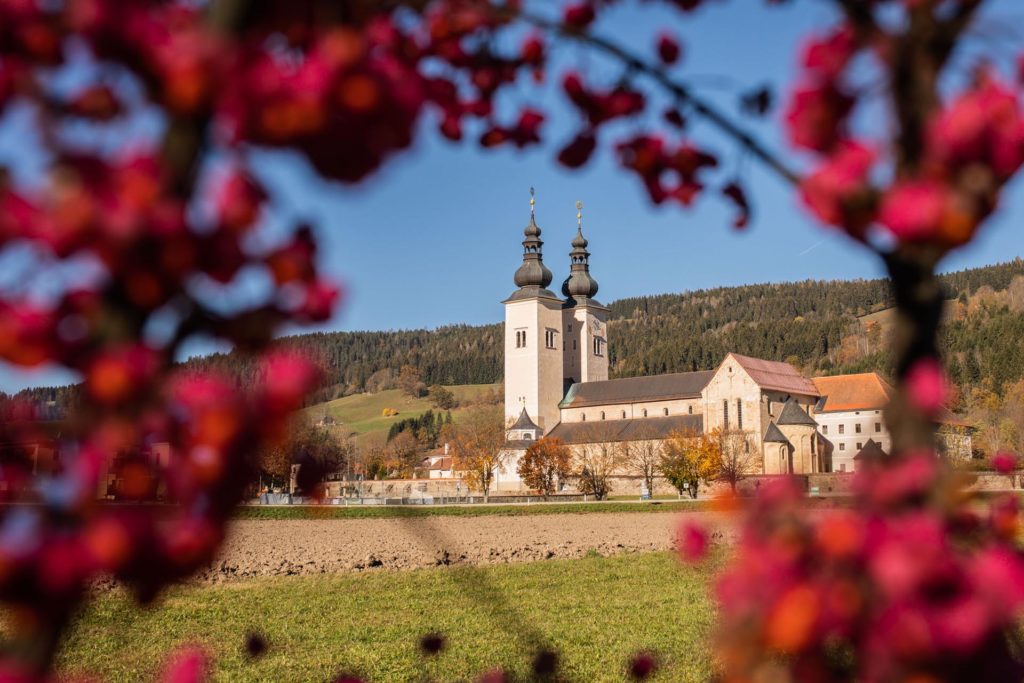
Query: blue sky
[433,238]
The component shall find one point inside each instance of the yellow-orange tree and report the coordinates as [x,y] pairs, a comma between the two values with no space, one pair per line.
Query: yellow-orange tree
[477,446]
[687,459]
[546,463]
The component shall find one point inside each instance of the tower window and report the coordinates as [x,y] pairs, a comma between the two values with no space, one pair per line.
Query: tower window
[689,410]
[573,344]
[520,339]
[645,412]
[598,346]
[623,414]
[549,339]
[602,414]
[666,412]
[583,417]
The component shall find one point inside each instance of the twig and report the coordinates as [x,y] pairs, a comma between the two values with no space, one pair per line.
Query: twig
[682,93]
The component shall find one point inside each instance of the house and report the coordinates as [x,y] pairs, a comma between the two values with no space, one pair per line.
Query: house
[849,413]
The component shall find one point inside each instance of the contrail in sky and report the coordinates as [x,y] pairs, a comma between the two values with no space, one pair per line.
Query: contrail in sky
[811,248]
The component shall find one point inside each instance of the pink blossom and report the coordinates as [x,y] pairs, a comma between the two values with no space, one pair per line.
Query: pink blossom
[926,386]
[997,574]
[1004,462]
[910,476]
[912,210]
[693,542]
[287,377]
[668,49]
[827,56]
[187,665]
[982,125]
[830,190]
[816,115]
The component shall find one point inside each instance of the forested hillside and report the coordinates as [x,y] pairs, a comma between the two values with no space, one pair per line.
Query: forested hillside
[823,327]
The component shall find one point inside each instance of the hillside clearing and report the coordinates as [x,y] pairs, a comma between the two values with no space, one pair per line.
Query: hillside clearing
[596,612]
[364,413]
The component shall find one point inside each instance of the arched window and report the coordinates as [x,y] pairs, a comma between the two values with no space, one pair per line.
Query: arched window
[645,412]
[602,414]
[666,412]
[623,414]
[583,417]
[689,410]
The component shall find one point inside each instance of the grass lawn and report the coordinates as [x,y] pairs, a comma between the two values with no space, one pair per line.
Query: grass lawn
[595,611]
[392,511]
[363,413]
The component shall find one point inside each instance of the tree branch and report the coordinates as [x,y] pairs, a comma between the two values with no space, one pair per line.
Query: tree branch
[682,93]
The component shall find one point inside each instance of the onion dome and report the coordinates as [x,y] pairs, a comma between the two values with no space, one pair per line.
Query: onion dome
[580,283]
[533,272]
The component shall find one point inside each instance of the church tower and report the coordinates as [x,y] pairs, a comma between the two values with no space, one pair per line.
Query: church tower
[533,344]
[584,320]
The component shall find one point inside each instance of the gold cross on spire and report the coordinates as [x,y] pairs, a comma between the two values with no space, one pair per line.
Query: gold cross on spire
[579,214]
[532,201]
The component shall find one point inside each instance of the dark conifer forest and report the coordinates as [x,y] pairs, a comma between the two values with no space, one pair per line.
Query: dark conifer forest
[822,327]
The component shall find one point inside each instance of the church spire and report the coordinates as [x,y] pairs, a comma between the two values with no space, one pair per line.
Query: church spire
[533,272]
[579,284]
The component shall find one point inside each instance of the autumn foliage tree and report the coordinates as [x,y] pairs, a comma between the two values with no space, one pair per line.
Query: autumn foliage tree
[477,443]
[402,455]
[545,464]
[411,382]
[688,459]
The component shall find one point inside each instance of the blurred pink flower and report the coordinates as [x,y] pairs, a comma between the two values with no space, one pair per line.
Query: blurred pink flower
[1004,462]
[693,542]
[926,386]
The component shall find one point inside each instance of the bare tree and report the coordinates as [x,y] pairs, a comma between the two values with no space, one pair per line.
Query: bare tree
[643,455]
[597,462]
[739,458]
[478,446]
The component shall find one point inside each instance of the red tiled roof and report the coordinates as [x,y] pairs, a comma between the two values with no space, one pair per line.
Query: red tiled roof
[865,391]
[774,375]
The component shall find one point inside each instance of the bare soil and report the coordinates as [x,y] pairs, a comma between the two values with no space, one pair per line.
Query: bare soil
[286,547]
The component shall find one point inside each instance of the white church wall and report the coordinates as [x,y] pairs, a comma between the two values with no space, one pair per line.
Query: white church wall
[613,411]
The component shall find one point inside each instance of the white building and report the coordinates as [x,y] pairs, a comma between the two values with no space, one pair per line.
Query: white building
[556,384]
[850,413]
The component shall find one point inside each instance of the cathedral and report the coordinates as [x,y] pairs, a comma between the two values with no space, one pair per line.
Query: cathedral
[557,385]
